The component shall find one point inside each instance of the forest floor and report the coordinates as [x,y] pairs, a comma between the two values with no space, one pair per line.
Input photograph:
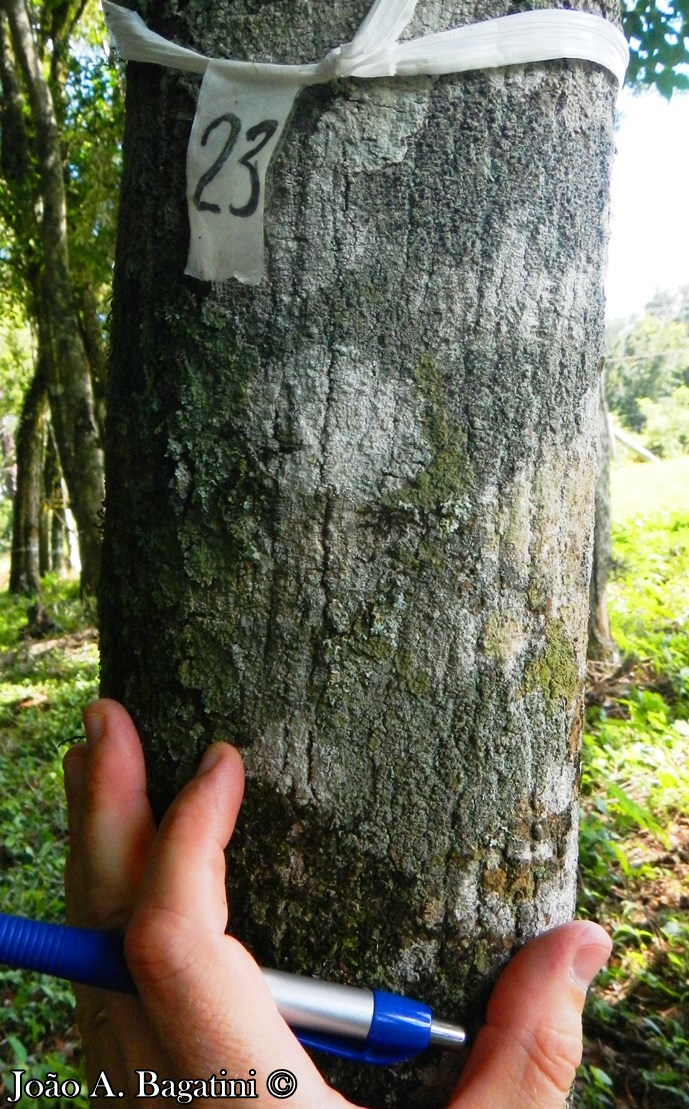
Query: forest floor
[634,840]
[634,869]
[44,685]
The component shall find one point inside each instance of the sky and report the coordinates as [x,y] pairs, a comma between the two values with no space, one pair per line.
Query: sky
[649,245]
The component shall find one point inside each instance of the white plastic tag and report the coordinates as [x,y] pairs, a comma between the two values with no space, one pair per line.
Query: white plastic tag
[243,106]
[236,128]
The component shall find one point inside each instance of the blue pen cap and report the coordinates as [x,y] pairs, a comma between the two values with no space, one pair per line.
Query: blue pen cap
[400,1029]
[400,1023]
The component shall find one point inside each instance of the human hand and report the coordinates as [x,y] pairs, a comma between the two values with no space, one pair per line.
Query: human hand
[203,1006]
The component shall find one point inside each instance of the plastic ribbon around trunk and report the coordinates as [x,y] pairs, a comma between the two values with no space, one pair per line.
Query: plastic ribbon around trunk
[243,107]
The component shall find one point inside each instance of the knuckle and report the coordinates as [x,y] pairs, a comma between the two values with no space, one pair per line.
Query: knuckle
[157,945]
[554,1055]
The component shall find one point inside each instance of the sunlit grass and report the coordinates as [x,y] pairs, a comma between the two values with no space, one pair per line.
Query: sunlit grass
[44,687]
[648,490]
[635,805]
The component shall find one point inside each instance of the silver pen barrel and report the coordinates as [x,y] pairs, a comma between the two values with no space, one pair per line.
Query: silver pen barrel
[321,1006]
[328,1007]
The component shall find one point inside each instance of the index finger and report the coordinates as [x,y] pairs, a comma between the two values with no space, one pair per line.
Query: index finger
[111,826]
[203,990]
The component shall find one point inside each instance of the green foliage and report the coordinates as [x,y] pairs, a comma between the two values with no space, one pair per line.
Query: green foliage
[666,423]
[93,123]
[61,598]
[5,523]
[648,593]
[657,36]
[44,689]
[15,359]
[87,101]
[15,368]
[647,374]
[646,357]
[635,796]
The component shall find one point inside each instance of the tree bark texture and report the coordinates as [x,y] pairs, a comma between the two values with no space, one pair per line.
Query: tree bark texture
[68,374]
[601,645]
[349,513]
[25,571]
[53,515]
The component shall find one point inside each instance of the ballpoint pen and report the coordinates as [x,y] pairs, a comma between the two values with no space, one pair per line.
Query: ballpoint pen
[372,1026]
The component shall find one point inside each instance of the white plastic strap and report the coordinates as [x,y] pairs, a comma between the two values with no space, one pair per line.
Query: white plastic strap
[243,106]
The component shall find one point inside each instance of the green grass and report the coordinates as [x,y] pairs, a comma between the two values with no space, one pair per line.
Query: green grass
[649,594]
[649,490]
[634,841]
[44,687]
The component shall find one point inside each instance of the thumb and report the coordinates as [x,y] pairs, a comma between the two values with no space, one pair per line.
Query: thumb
[527,1053]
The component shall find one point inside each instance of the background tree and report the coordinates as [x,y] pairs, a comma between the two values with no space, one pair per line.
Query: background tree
[644,387]
[60,169]
[668,306]
[601,645]
[647,356]
[25,571]
[666,423]
[349,512]
[658,37]
[15,373]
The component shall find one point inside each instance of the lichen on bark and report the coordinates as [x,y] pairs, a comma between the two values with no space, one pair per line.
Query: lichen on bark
[555,671]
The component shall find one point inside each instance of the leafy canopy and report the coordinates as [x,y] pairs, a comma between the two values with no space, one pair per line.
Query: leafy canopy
[659,42]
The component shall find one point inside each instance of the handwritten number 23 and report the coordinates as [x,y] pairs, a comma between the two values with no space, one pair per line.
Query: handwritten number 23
[267,129]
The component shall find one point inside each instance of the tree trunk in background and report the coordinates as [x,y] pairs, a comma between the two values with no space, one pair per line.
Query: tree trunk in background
[349,512]
[601,645]
[67,369]
[25,573]
[53,509]
[94,346]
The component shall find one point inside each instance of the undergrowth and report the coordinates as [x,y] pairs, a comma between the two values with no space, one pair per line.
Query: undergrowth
[45,685]
[634,842]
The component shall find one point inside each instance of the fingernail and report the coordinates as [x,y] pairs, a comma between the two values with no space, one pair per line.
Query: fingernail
[93,724]
[588,961]
[211,757]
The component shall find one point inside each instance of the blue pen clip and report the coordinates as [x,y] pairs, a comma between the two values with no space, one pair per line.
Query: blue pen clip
[400,1029]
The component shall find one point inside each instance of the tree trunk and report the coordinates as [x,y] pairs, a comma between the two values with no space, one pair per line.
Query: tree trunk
[94,345]
[349,512]
[25,571]
[601,645]
[53,508]
[68,376]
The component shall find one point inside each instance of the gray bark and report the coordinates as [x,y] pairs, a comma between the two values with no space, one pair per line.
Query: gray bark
[349,513]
